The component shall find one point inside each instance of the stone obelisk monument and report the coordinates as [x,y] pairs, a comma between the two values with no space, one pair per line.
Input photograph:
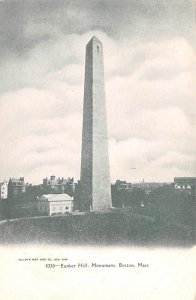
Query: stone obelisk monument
[95,188]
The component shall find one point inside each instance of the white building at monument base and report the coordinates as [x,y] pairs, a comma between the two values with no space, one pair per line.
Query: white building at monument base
[55,204]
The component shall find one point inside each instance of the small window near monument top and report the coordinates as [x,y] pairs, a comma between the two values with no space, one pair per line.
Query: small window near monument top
[97,48]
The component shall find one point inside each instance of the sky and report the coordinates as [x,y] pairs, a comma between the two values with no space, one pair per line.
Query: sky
[149,61]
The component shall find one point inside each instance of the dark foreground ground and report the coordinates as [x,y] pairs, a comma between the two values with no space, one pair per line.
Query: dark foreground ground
[115,228]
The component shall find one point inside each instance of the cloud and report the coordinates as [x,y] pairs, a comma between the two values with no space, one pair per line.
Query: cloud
[25,24]
[154,124]
[150,103]
[39,130]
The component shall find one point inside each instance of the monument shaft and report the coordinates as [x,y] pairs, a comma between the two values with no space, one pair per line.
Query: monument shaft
[95,175]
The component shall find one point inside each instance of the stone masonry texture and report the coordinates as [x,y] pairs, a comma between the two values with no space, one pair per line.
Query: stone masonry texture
[95,175]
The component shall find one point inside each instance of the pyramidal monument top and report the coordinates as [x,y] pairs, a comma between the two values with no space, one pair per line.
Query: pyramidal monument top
[94,39]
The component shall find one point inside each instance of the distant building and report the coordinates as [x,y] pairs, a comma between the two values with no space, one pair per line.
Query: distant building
[16,186]
[188,185]
[58,185]
[147,191]
[184,183]
[150,186]
[32,191]
[122,185]
[3,190]
[53,204]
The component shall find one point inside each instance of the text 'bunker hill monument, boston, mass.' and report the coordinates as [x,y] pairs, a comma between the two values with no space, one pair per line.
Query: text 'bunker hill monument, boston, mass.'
[95,188]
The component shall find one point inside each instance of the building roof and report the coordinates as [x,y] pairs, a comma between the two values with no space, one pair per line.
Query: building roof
[57,197]
[21,179]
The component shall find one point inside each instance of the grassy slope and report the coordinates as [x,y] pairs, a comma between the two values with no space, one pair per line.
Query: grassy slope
[96,229]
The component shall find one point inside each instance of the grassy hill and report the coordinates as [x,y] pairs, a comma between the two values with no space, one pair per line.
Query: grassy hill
[116,228]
